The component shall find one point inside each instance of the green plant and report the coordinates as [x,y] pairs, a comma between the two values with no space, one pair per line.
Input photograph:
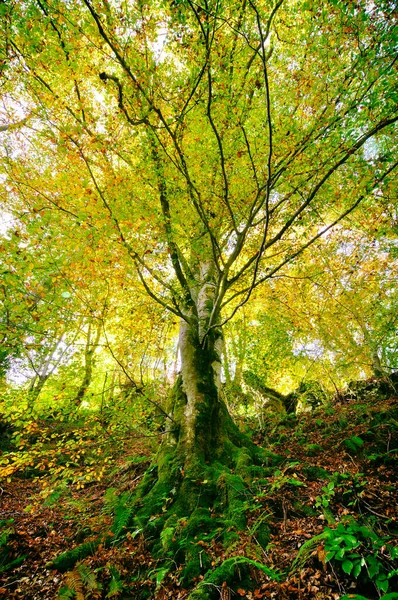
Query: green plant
[306,551]
[391,596]
[313,449]
[349,486]
[118,507]
[353,486]
[159,574]
[282,477]
[226,572]
[7,561]
[66,594]
[324,499]
[354,444]
[79,581]
[361,553]
[116,584]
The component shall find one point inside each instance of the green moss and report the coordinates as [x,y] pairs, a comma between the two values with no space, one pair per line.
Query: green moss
[304,509]
[232,498]
[243,462]
[230,537]
[156,500]
[197,563]
[314,473]
[67,560]
[147,483]
[270,459]
[201,522]
[313,449]
[258,472]
[193,536]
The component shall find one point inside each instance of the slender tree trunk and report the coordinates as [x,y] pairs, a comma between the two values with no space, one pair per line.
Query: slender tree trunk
[376,365]
[35,388]
[42,373]
[88,363]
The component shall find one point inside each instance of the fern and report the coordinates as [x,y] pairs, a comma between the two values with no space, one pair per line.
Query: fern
[118,507]
[121,518]
[305,552]
[88,577]
[116,584]
[77,580]
[110,501]
[227,570]
[74,582]
[66,594]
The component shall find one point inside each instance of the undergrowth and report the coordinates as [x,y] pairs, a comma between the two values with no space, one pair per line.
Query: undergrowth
[323,520]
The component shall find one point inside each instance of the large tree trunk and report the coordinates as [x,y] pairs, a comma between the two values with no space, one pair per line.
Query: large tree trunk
[198,485]
[200,423]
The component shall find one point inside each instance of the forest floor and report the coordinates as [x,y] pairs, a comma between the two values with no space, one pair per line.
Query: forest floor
[338,475]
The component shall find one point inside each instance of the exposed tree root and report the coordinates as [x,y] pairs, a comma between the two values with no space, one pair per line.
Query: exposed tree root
[190,500]
[186,502]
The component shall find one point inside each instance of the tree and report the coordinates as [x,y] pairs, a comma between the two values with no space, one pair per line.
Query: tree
[219,141]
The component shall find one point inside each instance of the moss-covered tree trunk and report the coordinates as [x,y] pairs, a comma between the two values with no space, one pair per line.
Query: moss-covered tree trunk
[91,346]
[198,483]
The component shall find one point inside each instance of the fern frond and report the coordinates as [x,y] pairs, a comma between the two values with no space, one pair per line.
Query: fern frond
[306,551]
[121,518]
[74,582]
[116,584]
[65,593]
[88,576]
[111,500]
[118,506]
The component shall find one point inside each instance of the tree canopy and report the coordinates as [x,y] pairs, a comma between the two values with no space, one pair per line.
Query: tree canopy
[159,142]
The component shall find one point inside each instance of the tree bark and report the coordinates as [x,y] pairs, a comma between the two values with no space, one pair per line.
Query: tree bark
[204,464]
[91,346]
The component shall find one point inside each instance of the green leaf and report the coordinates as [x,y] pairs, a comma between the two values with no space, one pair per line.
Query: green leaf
[354,597]
[347,566]
[357,569]
[373,566]
[352,540]
[160,575]
[382,584]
